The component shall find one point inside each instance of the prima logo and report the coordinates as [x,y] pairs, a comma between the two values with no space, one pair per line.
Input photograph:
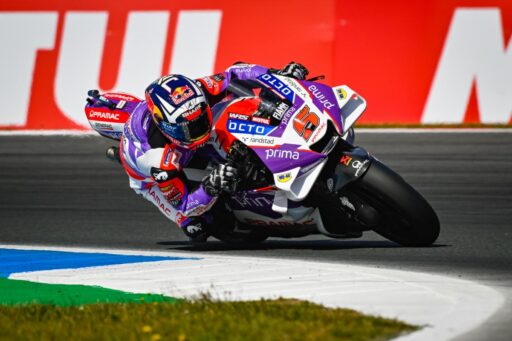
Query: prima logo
[281,154]
[320,96]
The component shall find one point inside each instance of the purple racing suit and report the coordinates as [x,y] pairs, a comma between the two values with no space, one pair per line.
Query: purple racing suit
[155,166]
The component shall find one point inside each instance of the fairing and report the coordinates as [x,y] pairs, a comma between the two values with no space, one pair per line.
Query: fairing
[287,148]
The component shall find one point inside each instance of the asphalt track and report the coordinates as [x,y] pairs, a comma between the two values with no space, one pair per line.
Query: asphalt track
[62,191]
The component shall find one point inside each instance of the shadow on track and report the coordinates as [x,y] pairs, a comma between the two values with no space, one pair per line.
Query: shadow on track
[286,245]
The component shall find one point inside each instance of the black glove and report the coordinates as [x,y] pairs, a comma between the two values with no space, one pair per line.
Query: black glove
[196,230]
[223,178]
[294,70]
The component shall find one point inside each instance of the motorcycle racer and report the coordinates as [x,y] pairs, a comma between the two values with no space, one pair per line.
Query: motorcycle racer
[165,131]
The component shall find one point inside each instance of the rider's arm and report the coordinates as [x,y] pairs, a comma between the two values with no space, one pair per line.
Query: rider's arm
[215,86]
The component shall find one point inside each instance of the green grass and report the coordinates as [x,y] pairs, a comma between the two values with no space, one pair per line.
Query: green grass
[202,319]
[25,292]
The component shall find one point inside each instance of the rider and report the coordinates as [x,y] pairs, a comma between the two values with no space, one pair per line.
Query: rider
[165,131]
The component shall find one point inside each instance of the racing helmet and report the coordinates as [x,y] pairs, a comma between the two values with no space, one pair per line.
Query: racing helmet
[180,111]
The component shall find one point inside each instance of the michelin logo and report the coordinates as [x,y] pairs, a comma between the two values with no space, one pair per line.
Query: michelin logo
[246,127]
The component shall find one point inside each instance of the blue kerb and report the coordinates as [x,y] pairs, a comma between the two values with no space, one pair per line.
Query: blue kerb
[12,261]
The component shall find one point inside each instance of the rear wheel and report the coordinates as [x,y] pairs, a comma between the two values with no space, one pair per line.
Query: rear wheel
[405,217]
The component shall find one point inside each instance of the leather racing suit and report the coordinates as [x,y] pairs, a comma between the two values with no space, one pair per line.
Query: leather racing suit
[155,166]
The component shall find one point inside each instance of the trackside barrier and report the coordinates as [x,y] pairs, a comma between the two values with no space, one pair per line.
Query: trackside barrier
[438,61]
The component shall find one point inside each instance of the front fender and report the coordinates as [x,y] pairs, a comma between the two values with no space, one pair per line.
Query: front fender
[352,165]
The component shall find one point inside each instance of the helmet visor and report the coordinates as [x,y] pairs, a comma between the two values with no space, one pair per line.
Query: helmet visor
[197,125]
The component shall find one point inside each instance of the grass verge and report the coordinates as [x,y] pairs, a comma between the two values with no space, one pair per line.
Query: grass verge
[202,319]
[25,292]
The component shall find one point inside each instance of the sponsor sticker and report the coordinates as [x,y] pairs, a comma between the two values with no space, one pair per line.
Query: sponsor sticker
[208,82]
[358,165]
[167,157]
[342,94]
[219,77]
[318,132]
[277,85]
[180,218]
[159,175]
[280,110]
[284,177]
[345,160]
[181,94]
[103,126]
[237,116]
[261,140]
[248,202]
[320,96]
[246,127]
[260,120]
[94,114]
[121,104]
[281,154]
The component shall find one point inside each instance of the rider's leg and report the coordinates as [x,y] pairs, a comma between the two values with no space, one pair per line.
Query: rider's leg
[196,228]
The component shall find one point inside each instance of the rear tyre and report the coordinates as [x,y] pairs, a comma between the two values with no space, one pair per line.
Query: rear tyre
[405,217]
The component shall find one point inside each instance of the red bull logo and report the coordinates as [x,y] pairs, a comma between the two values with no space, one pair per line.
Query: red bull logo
[181,93]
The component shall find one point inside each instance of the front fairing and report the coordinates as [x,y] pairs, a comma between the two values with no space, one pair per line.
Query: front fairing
[290,149]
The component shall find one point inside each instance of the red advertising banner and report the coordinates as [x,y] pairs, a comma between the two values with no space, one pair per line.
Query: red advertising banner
[414,62]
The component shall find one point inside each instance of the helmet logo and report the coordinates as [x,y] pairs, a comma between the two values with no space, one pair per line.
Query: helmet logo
[181,93]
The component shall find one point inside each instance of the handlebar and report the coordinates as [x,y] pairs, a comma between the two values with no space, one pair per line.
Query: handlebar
[102,99]
[243,88]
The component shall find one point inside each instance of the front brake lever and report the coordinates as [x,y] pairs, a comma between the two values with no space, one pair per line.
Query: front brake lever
[315,78]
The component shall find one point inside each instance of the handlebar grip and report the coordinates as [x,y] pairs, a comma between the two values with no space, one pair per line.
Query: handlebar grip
[239,88]
[102,99]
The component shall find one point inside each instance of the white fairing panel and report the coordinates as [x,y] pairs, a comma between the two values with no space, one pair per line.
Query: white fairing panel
[352,105]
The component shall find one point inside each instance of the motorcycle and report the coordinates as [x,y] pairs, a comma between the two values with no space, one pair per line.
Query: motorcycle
[292,142]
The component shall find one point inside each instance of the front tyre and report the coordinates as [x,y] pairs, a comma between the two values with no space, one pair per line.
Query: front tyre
[405,217]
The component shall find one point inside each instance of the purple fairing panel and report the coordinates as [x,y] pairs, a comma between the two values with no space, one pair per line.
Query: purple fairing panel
[259,203]
[279,131]
[196,203]
[136,128]
[281,158]
[254,202]
[324,99]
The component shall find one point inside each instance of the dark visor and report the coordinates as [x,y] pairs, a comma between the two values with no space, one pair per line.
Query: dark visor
[189,131]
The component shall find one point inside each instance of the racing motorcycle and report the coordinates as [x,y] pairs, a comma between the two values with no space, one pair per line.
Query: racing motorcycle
[300,173]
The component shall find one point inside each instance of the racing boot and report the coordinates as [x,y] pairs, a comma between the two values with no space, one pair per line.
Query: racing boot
[112,153]
[196,231]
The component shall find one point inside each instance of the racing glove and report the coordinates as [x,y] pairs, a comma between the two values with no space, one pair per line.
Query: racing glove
[223,178]
[294,70]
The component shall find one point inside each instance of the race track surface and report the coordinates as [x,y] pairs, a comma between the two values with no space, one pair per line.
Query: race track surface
[62,191]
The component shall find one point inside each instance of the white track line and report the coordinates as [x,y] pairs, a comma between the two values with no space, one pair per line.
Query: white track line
[447,306]
[358,130]
[48,133]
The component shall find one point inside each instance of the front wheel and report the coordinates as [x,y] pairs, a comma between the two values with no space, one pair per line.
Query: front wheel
[405,217]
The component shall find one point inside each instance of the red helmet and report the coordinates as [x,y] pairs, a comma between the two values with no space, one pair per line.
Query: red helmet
[180,111]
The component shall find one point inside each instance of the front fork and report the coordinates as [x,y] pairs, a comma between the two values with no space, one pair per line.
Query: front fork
[343,212]
[352,165]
